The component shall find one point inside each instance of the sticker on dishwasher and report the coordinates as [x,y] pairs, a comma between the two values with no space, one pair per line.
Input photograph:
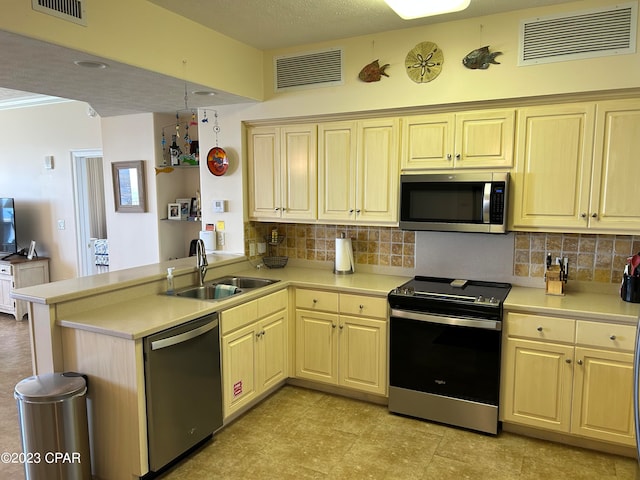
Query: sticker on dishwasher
[237,389]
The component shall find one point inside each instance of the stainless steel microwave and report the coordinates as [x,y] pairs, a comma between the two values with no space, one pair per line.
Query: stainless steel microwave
[456,202]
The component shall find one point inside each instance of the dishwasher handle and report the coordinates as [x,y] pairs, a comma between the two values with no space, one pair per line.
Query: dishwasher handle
[184,337]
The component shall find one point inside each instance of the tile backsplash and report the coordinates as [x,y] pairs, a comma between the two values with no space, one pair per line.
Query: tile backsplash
[592,258]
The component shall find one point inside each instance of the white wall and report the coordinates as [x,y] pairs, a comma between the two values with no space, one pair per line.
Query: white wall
[45,196]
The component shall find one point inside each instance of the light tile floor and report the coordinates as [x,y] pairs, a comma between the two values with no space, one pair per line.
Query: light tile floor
[303,434]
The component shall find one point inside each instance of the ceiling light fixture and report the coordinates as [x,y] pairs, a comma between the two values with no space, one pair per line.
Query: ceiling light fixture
[204,93]
[409,9]
[90,64]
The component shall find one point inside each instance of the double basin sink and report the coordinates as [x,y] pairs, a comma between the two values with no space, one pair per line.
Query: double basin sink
[224,287]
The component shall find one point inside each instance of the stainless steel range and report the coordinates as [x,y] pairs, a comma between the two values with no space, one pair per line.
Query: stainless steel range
[444,359]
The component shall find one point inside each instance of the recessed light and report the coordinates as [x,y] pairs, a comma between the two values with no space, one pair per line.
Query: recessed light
[204,93]
[90,64]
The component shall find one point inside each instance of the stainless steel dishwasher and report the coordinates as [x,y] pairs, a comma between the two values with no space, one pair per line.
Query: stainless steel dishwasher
[183,388]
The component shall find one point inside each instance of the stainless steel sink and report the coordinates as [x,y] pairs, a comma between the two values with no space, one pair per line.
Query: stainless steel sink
[224,287]
[244,282]
[208,292]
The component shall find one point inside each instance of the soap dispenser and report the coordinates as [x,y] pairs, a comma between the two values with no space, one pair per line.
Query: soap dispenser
[170,280]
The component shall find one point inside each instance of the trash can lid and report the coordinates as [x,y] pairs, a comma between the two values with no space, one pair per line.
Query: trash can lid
[50,387]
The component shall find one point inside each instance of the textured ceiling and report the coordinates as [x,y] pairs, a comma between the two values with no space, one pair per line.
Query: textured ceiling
[30,65]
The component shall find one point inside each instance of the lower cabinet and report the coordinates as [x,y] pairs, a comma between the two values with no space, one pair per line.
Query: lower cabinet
[17,273]
[570,376]
[341,339]
[254,349]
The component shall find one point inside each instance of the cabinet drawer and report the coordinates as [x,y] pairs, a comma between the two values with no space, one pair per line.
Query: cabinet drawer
[5,269]
[239,316]
[272,303]
[606,335]
[363,305]
[317,300]
[539,327]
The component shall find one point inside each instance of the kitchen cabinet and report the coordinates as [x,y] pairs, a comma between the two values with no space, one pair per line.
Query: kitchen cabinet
[358,172]
[282,170]
[575,167]
[17,273]
[570,376]
[254,349]
[475,139]
[341,339]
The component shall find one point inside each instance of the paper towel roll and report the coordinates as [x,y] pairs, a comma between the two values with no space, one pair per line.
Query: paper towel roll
[344,256]
[209,239]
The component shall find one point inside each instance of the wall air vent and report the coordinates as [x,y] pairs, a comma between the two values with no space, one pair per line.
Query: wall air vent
[586,34]
[315,69]
[71,10]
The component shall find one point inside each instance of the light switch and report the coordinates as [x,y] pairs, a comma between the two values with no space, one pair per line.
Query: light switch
[48,162]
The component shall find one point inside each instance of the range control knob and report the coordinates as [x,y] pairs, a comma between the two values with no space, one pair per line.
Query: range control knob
[493,300]
[480,298]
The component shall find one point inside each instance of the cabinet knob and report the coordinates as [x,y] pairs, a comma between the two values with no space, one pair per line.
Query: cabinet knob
[357,211]
[539,328]
[277,209]
[568,360]
[583,215]
[579,362]
[341,326]
[458,156]
[315,300]
[333,325]
[361,307]
[449,156]
[594,215]
[351,211]
[612,337]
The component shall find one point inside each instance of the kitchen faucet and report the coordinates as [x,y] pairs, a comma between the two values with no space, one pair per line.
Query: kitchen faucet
[201,260]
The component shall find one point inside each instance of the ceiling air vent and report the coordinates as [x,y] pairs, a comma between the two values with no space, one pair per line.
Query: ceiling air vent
[586,34]
[71,10]
[316,69]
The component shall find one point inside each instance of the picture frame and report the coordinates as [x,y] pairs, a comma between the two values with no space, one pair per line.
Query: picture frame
[193,212]
[173,211]
[185,207]
[32,250]
[129,186]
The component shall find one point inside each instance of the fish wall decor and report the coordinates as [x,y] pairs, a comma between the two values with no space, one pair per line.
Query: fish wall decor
[480,58]
[373,72]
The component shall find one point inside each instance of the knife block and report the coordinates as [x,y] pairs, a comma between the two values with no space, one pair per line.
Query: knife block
[554,280]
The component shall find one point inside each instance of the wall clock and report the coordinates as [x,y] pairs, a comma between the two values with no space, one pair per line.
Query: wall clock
[424,62]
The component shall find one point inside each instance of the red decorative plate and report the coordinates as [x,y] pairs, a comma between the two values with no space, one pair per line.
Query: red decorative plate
[217,161]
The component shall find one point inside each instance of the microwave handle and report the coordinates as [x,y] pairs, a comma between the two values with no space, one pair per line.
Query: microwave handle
[486,203]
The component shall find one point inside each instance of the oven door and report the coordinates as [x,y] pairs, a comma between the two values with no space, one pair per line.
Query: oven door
[445,356]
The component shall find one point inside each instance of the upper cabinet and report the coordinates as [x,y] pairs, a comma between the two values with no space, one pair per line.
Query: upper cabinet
[282,172]
[575,167]
[358,172]
[476,139]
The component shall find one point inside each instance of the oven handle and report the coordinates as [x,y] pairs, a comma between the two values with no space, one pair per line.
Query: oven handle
[460,322]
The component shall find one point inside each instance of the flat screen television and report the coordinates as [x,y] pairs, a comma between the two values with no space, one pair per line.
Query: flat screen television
[8,237]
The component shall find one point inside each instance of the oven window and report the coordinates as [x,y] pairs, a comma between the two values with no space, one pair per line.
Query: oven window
[453,361]
[443,202]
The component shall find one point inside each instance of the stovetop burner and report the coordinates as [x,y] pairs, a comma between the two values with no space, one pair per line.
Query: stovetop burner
[449,296]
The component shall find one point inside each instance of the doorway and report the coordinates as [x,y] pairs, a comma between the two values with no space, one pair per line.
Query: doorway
[91,232]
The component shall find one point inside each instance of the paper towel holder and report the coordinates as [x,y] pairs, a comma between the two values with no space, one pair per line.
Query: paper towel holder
[345,244]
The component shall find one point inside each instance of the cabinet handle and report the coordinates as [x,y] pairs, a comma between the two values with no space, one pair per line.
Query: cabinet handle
[579,362]
[594,215]
[568,360]
[539,328]
[612,337]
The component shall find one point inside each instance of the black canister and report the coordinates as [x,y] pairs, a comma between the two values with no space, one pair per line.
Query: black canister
[630,289]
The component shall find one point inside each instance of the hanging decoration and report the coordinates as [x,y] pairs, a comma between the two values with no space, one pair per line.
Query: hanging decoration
[373,72]
[424,62]
[217,160]
[480,58]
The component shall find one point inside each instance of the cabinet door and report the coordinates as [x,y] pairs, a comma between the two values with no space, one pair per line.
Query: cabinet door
[272,350]
[316,346]
[553,166]
[337,171]
[239,356]
[6,302]
[427,141]
[363,354]
[298,167]
[616,167]
[484,139]
[537,380]
[263,175]
[377,172]
[603,395]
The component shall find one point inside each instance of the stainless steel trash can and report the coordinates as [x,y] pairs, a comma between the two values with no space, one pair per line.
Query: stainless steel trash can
[52,410]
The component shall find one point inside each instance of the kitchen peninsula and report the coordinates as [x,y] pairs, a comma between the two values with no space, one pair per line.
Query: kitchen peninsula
[95,325]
